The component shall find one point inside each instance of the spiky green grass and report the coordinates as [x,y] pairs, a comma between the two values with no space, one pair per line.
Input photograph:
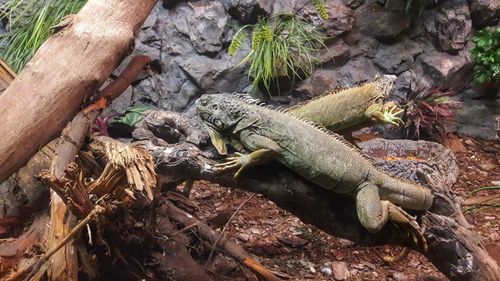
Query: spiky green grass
[283,46]
[493,203]
[29,24]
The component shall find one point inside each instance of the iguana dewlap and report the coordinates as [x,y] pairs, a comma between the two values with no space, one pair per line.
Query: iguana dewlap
[319,156]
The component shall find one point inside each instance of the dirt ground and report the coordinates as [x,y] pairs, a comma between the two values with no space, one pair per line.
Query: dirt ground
[301,252]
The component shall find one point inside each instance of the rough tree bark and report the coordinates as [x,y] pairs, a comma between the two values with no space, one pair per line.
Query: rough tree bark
[39,103]
[182,152]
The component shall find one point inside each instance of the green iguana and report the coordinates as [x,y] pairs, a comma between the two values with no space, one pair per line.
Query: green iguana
[342,109]
[316,154]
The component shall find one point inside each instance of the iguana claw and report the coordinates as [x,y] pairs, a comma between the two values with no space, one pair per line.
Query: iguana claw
[402,218]
[386,113]
[239,160]
[391,114]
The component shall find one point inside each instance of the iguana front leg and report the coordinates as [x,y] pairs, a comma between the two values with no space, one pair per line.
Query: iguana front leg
[264,148]
[385,113]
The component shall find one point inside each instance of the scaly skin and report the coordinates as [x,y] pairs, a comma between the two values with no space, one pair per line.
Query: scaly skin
[346,108]
[321,157]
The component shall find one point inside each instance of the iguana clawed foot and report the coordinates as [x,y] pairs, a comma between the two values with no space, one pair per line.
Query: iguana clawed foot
[244,161]
[238,161]
[402,218]
[391,113]
[388,113]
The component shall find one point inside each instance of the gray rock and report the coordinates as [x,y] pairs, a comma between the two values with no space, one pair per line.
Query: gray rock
[361,44]
[321,80]
[353,72]
[169,4]
[353,4]
[357,70]
[158,39]
[336,54]
[180,40]
[276,7]
[121,103]
[441,67]
[379,22]
[340,21]
[146,92]
[411,80]
[478,118]
[148,41]
[484,12]
[435,160]
[245,11]
[161,89]
[187,94]
[205,23]
[405,82]
[397,58]
[215,75]
[449,25]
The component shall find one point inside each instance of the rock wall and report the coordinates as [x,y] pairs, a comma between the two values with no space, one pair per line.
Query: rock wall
[189,42]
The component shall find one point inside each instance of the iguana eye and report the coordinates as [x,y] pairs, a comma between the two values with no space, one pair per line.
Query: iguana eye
[215,107]
[218,123]
[203,101]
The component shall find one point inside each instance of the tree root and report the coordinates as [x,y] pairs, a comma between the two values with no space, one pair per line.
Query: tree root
[218,240]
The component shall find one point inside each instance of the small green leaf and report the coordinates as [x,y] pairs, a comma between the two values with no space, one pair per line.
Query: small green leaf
[133,115]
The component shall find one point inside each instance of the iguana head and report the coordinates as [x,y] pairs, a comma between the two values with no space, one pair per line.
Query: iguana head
[219,111]
[224,114]
[385,85]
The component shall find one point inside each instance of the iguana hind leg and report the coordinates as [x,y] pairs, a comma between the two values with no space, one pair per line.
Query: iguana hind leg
[405,220]
[374,213]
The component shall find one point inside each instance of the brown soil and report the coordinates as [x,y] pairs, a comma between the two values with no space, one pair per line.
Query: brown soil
[301,252]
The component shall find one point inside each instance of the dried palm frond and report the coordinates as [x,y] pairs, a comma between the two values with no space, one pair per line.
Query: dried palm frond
[129,170]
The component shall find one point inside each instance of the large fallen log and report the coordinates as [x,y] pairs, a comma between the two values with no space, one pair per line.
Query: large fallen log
[182,152]
[69,67]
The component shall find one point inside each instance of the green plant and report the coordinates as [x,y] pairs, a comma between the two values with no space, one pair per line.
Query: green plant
[133,115]
[29,24]
[319,5]
[129,118]
[486,55]
[488,203]
[282,46]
